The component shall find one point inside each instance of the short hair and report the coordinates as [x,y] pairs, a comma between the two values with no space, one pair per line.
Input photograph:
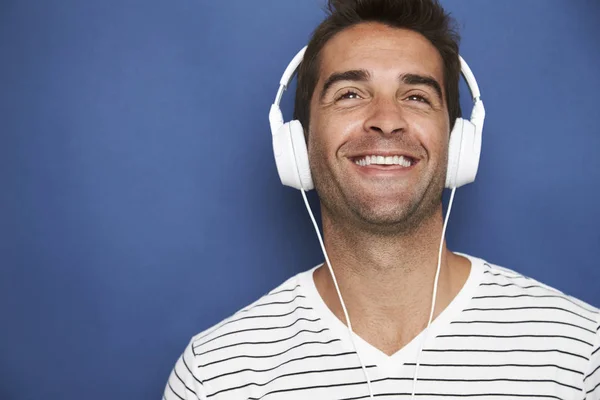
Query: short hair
[426,17]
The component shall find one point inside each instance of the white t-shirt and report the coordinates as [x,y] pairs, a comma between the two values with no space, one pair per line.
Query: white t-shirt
[503,336]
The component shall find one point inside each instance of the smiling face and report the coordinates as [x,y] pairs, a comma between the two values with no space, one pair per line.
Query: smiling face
[378,133]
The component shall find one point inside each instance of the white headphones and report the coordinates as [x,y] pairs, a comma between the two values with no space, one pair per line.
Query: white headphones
[291,155]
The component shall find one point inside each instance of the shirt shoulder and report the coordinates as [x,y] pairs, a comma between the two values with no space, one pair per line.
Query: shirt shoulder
[520,304]
[284,298]
[511,314]
[249,336]
[509,286]
[224,356]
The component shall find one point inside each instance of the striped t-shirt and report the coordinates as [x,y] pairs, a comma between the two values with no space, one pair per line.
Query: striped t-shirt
[503,336]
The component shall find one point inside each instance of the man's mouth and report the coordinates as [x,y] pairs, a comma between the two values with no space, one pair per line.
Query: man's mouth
[396,160]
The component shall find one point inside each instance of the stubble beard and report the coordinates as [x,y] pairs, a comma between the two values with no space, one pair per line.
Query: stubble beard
[344,205]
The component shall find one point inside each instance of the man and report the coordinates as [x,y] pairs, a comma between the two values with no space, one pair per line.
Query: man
[380,79]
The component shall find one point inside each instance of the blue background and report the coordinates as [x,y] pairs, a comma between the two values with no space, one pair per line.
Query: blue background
[139,199]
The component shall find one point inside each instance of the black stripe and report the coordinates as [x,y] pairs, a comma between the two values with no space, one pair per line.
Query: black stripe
[487,380]
[497,365]
[505,351]
[315,387]
[501,380]
[595,351]
[194,346]
[523,322]
[516,336]
[265,298]
[505,275]
[269,315]
[273,303]
[271,342]
[182,381]
[529,308]
[490,380]
[458,395]
[540,296]
[512,284]
[283,363]
[400,394]
[286,375]
[593,389]
[284,290]
[251,317]
[188,368]
[174,392]
[506,272]
[267,356]
[591,373]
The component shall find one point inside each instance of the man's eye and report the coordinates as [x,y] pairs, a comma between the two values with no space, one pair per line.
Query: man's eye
[416,97]
[349,95]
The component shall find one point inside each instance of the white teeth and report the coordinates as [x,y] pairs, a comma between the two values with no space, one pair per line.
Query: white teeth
[381,160]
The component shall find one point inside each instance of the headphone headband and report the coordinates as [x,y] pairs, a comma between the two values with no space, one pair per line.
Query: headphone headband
[470,79]
[288,74]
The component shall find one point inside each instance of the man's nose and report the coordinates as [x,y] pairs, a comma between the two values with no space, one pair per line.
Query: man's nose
[386,117]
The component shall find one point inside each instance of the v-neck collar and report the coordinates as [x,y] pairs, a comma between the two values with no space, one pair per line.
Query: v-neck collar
[391,365]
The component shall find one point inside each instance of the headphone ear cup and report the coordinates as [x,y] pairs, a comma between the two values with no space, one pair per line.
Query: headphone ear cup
[454,153]
[301,155]
[291,156]
[463,154]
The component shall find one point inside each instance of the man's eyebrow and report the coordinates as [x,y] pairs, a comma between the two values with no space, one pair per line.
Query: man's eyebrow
[415,79]
[356,75]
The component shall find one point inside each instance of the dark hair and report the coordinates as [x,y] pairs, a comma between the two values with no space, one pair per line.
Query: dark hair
[426,17]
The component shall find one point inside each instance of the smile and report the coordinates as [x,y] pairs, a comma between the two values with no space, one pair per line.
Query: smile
[384,160]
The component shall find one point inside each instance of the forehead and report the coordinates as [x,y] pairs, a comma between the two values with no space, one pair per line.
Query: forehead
[382,50]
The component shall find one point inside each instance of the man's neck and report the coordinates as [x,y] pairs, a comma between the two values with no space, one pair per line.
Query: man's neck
[387,281]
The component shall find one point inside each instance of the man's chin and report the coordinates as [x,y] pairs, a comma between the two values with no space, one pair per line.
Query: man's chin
[394,217]
[384,220]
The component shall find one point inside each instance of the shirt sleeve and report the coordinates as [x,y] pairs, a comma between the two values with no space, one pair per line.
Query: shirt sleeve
[184,383]
[592,378]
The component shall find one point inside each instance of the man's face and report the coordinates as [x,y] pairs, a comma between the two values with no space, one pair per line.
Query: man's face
[379,93]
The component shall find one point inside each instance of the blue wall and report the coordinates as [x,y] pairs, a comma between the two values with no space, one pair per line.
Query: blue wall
[139,198]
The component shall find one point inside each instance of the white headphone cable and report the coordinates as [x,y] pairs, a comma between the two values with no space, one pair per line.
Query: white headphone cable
[347,317]
[434,295]
[337,288]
